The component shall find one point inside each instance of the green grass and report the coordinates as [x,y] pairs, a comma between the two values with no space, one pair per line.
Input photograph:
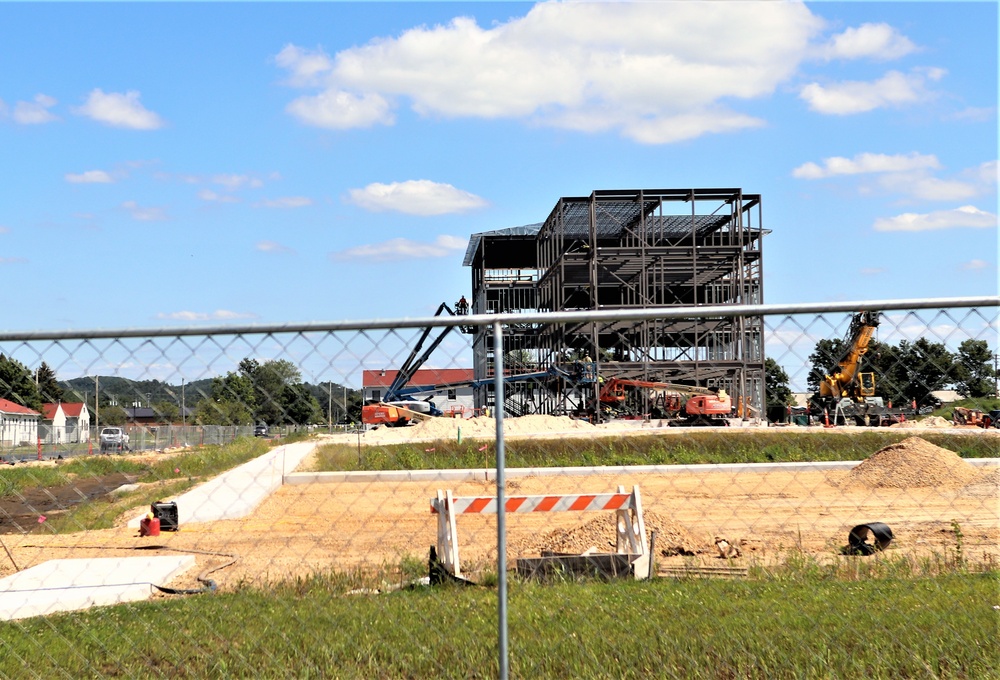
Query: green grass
[170,477]
[670,449]
[942,627]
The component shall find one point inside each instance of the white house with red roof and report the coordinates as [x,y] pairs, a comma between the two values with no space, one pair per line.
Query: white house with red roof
[448,388]
[64,423]
[18,424]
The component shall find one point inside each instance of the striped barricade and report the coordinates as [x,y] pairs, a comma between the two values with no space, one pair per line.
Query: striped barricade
[630,527]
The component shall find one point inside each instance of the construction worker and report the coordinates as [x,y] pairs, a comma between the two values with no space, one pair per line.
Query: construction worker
[462,307]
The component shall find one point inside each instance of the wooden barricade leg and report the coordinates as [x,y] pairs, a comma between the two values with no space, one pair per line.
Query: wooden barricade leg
[631,533]
[447,539]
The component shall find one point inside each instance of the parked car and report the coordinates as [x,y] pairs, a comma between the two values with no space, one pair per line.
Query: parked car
[114,439]
[260,431]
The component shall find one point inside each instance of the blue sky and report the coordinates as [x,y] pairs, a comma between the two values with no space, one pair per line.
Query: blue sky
[184,164]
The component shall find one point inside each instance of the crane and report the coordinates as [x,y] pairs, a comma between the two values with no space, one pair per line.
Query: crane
[847,381]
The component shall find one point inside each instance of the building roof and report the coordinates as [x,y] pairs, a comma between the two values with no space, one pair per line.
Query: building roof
[7,406]
[423,377]
[71,409]
[520,233]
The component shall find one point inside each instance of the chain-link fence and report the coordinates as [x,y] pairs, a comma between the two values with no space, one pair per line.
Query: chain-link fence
[305,501]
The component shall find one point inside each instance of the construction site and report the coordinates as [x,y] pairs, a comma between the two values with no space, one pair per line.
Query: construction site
[616,250]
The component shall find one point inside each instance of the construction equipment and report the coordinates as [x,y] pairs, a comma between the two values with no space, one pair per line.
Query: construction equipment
[683,404]
[847,396]
[848,381]
[971,416]
[390,410]
[376,413]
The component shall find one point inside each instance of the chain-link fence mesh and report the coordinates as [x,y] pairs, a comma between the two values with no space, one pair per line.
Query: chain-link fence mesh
[302,502]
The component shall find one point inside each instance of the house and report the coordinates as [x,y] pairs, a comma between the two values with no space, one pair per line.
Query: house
[453,394]
[64,423]
[18,424]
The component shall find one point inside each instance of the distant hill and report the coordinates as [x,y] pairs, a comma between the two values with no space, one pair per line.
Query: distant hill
[126,391]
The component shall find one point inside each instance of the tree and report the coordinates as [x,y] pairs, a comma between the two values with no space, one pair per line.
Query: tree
[914,369]
[824,359]
[113,415]
[210,412]
[779,394]
[300,407]
[974,372]
[18,385]
[48,387]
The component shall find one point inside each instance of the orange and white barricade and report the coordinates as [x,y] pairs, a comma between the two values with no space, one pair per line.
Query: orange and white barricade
[630,528]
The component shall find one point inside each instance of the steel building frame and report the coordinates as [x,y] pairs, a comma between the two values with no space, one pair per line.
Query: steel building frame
[624,249]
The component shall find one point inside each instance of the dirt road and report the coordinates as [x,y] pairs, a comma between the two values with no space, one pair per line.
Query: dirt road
[302,530]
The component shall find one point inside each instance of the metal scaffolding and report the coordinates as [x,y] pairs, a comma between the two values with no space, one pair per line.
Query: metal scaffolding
[626,249]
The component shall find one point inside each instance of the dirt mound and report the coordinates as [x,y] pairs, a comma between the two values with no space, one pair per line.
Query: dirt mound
[913,462]
[475,428]
[599,533]
[931,422]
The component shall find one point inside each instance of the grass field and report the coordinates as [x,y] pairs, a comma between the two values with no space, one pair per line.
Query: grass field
[688,448]
[798,627]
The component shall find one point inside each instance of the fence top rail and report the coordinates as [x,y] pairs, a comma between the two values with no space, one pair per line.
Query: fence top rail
[618,314]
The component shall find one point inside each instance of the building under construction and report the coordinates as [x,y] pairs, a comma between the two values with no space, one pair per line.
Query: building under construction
[623,249]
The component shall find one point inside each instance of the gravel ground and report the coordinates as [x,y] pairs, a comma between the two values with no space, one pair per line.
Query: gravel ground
[303,530]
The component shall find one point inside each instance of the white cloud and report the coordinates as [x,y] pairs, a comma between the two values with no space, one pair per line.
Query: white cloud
[4,230]
[974,114]
[926,188]
[643,69]
[403,249]
[415,197]
[906,174]
[234,182]
[975,265]
[964,217]
[850,97]
[218,315]
[876,41]
[305,66]
[36,111]
[144,214]
[119,110]
[90,177]
[866,163]
[286,202]
[340,110]
[13,260]
[272,247]
[872,271]
[213,197]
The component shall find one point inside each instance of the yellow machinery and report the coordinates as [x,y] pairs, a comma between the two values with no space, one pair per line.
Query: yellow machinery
[847,381]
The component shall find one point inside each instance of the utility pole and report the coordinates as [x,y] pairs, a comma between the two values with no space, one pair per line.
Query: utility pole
[183,413]
[329,406]
[996,374]
[345,403]
[97,401]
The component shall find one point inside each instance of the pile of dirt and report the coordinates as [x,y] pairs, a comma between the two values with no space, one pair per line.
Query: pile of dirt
[599,534]
[475,428]
[930,422]
[913,462]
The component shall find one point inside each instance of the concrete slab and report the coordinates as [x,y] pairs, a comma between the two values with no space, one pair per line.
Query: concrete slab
[239,491]
[69,585]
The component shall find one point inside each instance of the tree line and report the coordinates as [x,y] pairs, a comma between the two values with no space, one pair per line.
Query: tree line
[270,392]
[904,373]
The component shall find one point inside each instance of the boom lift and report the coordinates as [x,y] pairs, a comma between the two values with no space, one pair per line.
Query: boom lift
[397,408]
[703,406]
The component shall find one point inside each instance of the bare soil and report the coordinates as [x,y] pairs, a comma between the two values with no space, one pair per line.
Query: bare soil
[915,487]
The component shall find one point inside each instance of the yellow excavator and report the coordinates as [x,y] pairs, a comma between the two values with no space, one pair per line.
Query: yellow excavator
[847,381]
[847,396]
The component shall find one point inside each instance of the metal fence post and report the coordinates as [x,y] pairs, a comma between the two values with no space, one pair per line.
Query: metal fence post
[498,401]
